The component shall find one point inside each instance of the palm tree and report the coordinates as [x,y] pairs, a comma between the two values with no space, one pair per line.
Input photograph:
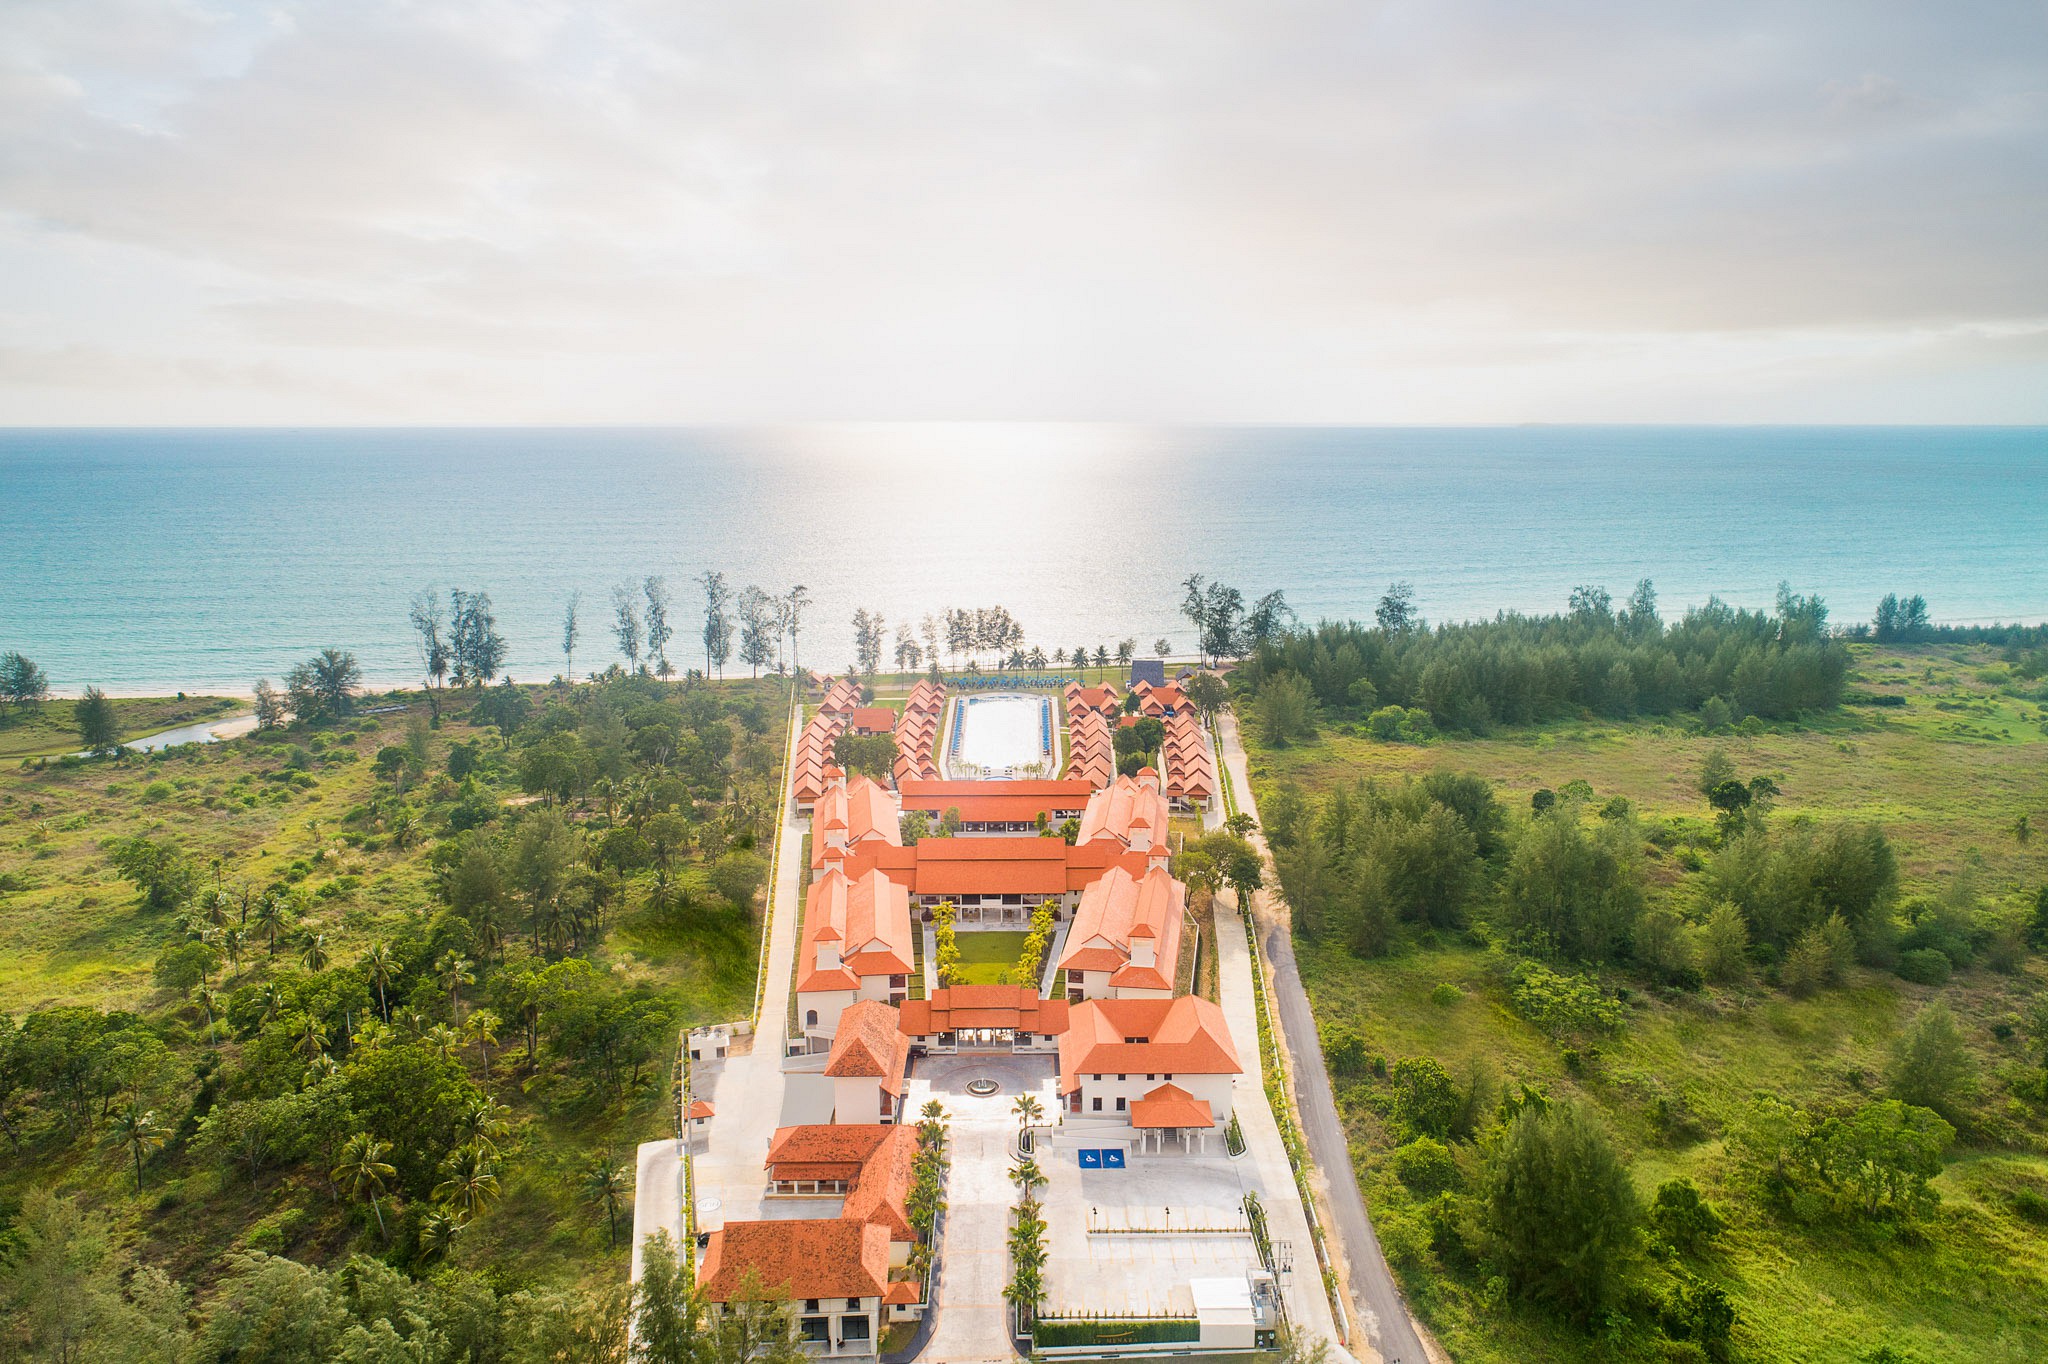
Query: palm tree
[455,972]
[481,1124]
[481,1028]
[437,1234]
[363,1169]
[405,827]
[313,953]
[232,941]
[273,917]
[142,1131]
[468,1183]
[321,1068]
[1028,1109]
[203,995]
[605,1183]
[380,966]
[313,1040]
[442,1040]
[270,1000]
[1028,1175]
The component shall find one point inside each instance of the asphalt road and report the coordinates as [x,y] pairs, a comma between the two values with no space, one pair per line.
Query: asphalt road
[1376,1302]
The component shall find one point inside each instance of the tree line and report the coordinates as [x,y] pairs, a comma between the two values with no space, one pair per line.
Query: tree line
[1595,657]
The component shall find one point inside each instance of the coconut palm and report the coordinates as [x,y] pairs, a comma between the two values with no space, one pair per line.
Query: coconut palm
[481,1123]
[321,1068]
[204,996]
[233,942]
[481,1028]
[273,917]
[380,966]
[313,953]
[269,1002]
[312,1039]
[607,1184]
[468,1184]
[142,1131]
[455,972]
[442,1040]
[438,1232]
[405,827]
[364,1170]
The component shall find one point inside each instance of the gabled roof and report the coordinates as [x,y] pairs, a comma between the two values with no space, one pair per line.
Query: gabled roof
[1130,809]
[1119,908]
[867,915]
[701,1108]
[1182,1036]
[839,1257]
[1171,1106]
[871,720]
[882,1188]
[994,801]
[868,1045]
[952,1007]
[995,865]
[858,809]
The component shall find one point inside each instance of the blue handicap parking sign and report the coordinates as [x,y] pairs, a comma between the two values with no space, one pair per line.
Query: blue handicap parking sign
[1090,1160]
[1112,1160]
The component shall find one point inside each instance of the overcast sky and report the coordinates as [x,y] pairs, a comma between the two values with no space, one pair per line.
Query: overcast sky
[1440,211]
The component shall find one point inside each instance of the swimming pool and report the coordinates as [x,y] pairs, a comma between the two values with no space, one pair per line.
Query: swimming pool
[1006,733]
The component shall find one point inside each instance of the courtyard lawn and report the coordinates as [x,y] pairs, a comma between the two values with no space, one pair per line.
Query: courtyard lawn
[988,957]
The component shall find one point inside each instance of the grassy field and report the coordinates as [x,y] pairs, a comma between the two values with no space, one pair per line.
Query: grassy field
[1947,775]
[48,729]
[988,956]
[292,809]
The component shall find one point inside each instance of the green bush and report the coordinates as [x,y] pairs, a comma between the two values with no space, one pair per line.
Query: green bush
[1445,995]
[1426,1166]
[1116,1331]
[1924,966]
[158,790]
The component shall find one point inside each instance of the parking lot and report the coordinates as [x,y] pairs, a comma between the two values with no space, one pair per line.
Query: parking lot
[1125,1242]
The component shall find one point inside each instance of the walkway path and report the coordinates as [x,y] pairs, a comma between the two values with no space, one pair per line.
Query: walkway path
[973,1322]
[748,1090]
[1376,1300]
[1307,1305]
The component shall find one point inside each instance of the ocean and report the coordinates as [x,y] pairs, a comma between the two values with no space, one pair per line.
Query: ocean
[148,561]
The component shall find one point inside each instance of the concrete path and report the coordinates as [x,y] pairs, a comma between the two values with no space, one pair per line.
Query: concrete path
[1376,1302]
[747,1090]
[973,1321]
[1307,1305]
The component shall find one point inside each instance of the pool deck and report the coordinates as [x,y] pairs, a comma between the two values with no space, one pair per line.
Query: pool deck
[953,736]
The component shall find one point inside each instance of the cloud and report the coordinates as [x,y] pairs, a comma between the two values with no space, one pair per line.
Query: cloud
[1285,211]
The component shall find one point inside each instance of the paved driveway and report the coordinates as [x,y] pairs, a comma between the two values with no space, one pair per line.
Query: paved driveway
[973,1321]
[1375,1299]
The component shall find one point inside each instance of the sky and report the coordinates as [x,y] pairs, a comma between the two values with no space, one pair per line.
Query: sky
[1446,211]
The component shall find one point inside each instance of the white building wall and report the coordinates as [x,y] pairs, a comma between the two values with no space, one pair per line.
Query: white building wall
[829,1004]
[858,1099]
[1215,1090]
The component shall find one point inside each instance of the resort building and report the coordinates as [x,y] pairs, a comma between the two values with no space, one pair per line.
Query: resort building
[1130,810]
[1159,1066]
[996,807]
[871,720]
[814,755]
[842,697]
[1125,942]
[1102,700]
[917,733]
[983,1018]
[1159,701]
[868,1165]
[850,812]
[834,1272]
[869,1057]
[1091,757]
[1190,763]
[993,881]
[856,945]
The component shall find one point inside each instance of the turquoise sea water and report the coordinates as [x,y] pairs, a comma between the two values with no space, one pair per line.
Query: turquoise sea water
[156,560]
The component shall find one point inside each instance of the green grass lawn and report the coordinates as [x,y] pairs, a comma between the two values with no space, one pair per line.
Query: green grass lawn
[1946,775]
[988,956]
[48,730]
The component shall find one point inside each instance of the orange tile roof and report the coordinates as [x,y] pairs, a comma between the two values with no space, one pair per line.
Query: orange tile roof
[702,1108]
[867,915]
[868,1045]
[1131,810]
[952,1007]
[880,1192]
[858,809]
[839,1257]
[871,720]
[992,865]
[1171,1106]
[1182,1036]
[903,1291]
[847,1143]
[994,801]
[843,695]
[1118,909]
